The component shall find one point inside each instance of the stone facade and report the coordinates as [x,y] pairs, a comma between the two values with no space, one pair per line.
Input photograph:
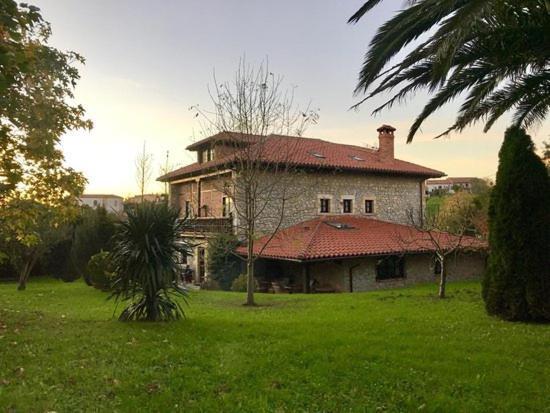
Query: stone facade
[392,196]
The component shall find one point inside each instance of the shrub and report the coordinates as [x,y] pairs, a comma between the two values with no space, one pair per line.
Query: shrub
[210,284]
[144,254]
[100,271]
[516,285]
[92,234]
[223,265]
[239,284]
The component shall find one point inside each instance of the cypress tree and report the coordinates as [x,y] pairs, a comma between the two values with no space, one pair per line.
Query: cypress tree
[516,285]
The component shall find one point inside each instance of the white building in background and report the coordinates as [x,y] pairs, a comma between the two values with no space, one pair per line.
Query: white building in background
[450,184]
[112,203]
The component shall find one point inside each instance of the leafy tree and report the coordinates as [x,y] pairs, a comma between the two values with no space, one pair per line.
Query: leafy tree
[495,52]
[517,283]
[223,265]
[29,229]
[36,91]
[464,210]
[144,257]
[37,191]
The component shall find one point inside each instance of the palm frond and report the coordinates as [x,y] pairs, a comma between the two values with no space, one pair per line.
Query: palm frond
[482,49]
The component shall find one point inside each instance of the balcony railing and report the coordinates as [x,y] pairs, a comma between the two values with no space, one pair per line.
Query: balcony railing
[208,225]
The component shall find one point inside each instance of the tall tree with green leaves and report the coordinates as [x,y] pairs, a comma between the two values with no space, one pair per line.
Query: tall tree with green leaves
[37,84]
[517,283]
[495,53]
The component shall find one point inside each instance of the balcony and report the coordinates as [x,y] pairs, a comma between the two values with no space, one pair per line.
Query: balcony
[208,225]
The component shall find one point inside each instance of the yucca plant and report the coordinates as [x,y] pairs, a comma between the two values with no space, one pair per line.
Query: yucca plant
[144,254]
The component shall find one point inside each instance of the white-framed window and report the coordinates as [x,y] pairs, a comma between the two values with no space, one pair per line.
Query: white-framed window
[324,203]
[347,204]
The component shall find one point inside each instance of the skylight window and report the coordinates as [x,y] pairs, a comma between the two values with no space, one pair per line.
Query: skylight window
[356,158]
[339,225]
[317,154]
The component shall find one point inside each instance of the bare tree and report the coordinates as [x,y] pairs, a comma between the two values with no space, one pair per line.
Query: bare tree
[144,169]
[165,169]
[445,233]
[253,115]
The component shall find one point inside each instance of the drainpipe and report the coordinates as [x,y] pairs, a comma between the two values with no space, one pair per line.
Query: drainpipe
[421,184]
[350,273]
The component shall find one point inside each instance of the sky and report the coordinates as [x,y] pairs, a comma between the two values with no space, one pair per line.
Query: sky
[148,62]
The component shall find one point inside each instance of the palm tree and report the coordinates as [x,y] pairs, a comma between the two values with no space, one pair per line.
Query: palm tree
[144,254]
[495,52]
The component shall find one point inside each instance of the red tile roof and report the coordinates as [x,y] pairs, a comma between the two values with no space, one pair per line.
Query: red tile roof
[320,238]
[308,152]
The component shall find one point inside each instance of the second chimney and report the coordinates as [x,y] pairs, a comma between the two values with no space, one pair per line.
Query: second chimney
[385,142]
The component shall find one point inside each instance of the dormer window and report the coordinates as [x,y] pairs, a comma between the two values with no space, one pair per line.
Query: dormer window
[206,155]
[209,154]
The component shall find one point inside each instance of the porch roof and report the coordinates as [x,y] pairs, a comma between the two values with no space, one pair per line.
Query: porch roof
[338,236]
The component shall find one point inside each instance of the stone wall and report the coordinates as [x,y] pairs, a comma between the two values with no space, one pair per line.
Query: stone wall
[419,268]
[393,196]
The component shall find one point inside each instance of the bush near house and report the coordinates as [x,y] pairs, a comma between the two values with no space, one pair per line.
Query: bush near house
[223,265]
[239,284]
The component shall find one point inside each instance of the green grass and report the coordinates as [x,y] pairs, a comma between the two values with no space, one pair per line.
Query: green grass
[396,350]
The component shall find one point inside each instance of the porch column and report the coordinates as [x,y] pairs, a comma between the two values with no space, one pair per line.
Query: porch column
[305,271]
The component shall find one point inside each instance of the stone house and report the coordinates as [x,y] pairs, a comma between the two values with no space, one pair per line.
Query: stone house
[339,189]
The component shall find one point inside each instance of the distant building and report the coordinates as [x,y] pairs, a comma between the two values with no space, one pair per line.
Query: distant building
[112,203]
[138,199]
[450,184]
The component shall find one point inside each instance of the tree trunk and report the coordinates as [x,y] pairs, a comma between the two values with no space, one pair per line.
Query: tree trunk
[442,277]
[24,276]
[250,274]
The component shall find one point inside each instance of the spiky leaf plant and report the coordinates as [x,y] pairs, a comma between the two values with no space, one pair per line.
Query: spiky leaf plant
[145,250]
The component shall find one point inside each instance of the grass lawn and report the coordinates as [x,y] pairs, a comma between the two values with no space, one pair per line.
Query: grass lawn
[396,350]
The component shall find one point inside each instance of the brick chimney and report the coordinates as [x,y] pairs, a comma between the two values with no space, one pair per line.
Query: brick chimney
[385,142]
